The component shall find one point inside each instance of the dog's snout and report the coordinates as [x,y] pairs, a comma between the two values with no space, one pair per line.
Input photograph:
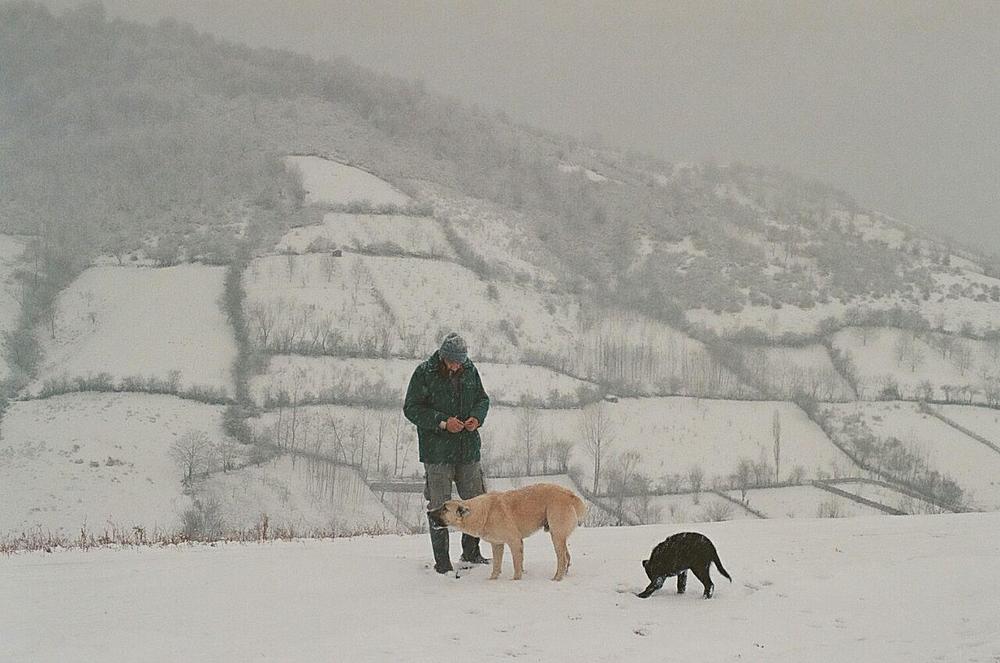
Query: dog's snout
[434,517]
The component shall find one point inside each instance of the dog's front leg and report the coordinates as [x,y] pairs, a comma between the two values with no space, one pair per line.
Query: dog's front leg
[497,560]
[517,552]
[653,586]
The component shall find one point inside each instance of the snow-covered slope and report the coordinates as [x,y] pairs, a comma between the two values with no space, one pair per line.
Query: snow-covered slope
[327,181]
[141,323]
[97,460]
[11,249]
[865,590]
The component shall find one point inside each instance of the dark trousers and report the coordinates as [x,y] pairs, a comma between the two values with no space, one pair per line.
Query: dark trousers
[438,477]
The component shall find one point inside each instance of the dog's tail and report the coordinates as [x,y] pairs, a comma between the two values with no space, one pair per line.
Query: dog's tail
[718,563]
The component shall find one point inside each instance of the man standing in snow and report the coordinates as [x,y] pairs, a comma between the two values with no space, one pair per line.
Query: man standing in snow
[446,401]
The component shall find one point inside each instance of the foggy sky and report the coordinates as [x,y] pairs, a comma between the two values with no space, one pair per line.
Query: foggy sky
[898,103]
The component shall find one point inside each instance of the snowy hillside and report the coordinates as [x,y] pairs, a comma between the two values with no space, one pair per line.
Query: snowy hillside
[865,590]
[367,233]
[100,461]
[11,249]
[329,182]
[971,464]
[357,380]
[165,324]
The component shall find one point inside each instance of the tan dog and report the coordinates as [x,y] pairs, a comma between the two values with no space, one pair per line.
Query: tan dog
[511,516]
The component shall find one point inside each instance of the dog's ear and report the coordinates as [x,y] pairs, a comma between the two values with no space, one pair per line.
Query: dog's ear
[463,511]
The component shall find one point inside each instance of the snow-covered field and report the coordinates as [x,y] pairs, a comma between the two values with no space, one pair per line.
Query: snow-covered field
[314,299]
[980,420]
[917,363]
[11,249]
[428,298]
[496,235]
[368,304]
[648,357]
[971,464]
[376,233]
[675,434]
[329,182]
[140,323]
[951,311]
[807,370]
[865,590]
[350,380]
[98,460]
[301,495]
[804,502]
[790,319]
[686,508]
[887,496]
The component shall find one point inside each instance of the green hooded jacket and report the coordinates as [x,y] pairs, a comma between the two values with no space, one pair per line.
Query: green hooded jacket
[431,398]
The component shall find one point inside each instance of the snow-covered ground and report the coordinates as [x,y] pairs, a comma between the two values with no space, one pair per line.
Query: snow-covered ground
[315,299]
[916,362]
[429,298]
[648,357]
[980,420]
[11,249]
[971,464]
[139,323]
[953,310]
[99,460]
[803,502]
[790,370]
[790,319]
[496,235]
[866,590]
[376,233]
[350,380]
[688,508]
[329,182]
[673,435]
[301,495]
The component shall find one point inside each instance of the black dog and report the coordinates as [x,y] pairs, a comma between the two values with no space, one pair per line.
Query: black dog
[675,555]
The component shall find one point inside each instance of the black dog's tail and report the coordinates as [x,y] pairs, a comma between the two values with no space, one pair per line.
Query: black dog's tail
[718,564]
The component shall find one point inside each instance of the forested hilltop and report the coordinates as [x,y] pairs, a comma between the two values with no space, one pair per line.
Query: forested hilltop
[119,136]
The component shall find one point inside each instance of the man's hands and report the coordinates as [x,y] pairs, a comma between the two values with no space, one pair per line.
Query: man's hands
[456,425]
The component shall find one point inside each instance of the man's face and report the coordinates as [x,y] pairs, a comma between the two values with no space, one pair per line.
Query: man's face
[452,365]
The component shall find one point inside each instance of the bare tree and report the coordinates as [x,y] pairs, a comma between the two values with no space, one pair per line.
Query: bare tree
[227,450]
[381,431]
[743,477]
[262,317]
[623,475]
[696,476]
[776,432]
[561,451]
[595,427]
[527,431]
[962,356]
[192,452]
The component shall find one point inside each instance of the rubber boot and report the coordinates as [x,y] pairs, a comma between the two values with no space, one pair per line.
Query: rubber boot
[470,551]
[439,544]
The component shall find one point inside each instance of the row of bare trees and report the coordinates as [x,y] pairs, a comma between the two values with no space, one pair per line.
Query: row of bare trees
[196,454]
[377,441]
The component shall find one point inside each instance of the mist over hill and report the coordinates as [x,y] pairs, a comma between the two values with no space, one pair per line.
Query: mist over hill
[121,136]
